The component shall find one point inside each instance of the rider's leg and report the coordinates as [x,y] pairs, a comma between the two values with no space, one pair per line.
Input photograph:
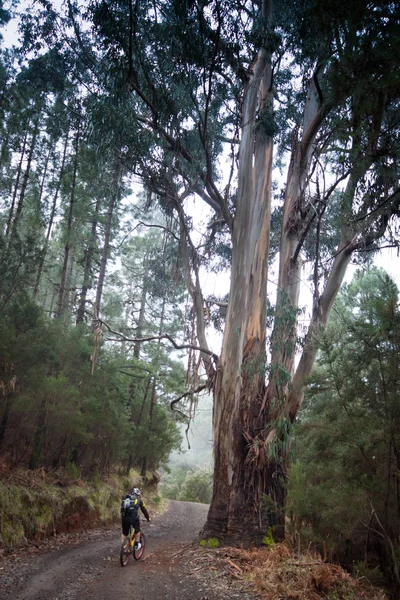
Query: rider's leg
[137,535]
[125,529]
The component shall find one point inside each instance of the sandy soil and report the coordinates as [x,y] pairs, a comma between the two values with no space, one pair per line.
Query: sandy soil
[88,567]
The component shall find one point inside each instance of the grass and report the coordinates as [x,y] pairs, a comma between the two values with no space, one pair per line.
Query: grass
[35,505]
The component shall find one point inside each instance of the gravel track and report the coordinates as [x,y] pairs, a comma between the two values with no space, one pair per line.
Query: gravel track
[90,568]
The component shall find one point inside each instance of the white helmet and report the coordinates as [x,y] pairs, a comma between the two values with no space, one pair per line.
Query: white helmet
[136,491]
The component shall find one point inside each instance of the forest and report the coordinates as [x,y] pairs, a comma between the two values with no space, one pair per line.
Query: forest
[149,147]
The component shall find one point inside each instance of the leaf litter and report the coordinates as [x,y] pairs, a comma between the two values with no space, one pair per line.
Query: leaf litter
[277,573]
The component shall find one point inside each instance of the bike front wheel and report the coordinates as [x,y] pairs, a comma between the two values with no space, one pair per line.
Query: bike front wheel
[125,552]
[137,554]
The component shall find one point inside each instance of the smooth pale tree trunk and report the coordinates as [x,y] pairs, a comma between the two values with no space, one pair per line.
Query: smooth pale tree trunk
[292,230]
[283,341]
[350,232]
[266,408]
[322,308]
[87,273]
[237,512]
[68,234]
[284,398]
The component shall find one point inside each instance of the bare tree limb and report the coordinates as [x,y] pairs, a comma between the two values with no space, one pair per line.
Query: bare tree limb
[221,304]
[202,387]
[377,208]
[160,227]
[164,336]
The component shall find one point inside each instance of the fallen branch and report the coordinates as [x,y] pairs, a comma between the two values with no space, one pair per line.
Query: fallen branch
[234,565]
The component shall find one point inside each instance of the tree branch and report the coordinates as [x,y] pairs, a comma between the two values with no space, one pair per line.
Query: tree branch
[164,336]
[377,208]
[202,387]
[160,227]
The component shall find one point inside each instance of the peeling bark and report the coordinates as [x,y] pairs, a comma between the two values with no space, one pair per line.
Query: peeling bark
[292,229]
[239,483]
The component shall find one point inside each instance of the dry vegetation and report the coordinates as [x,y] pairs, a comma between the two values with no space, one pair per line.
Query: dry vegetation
[279,573]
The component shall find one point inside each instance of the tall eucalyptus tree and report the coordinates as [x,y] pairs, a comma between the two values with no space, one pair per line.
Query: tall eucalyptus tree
[194,76]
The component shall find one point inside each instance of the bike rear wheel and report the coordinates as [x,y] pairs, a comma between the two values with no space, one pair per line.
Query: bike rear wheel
[137,554]
[125,552]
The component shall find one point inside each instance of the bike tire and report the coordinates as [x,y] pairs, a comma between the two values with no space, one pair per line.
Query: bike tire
[137,554]
[125,552]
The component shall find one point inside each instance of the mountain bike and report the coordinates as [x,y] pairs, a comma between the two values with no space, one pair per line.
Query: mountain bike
[128,547]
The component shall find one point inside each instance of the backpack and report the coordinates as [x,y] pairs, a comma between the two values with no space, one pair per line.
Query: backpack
[129,505]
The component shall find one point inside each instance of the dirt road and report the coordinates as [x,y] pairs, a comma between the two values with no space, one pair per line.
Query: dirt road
[91,569]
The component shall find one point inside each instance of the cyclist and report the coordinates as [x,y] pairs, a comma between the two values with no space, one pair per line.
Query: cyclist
[130,505]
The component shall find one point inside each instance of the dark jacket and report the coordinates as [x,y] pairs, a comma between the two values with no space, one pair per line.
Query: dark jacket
[130,506]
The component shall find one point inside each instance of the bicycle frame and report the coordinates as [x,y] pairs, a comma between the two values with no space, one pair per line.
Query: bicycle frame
[128,547]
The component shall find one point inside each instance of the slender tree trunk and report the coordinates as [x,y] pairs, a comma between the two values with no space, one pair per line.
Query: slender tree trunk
[236,511]
[67,247]
[143,471]
[46,165]
[51,218]
[52,302]
[142,311]
[25,179]
[362,161]
[87,272]
[16,185]
[323,307]
[292,230]
[4,145]
[154,392]
[69,284]
[37,447]
[114,197]
[138,422]
[139,334]
[194,288]
[4,419]
[273,429]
